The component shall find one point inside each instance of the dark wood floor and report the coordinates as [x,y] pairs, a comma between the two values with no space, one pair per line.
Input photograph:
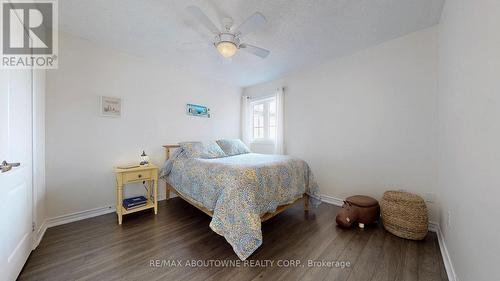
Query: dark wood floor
[100,249]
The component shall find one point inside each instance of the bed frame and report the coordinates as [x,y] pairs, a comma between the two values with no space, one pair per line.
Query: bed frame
[263,218]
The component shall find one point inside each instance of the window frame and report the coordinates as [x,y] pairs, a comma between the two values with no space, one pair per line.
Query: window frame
[265,101]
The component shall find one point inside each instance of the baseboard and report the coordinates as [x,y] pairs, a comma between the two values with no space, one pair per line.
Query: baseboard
[329,199]
[64,219]
[39,234]
[433,226]
[448,265]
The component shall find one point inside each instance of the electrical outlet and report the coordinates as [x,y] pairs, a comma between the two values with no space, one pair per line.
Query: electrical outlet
[429,197]
[448,221]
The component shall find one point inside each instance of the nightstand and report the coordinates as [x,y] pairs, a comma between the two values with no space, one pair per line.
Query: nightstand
[148,174]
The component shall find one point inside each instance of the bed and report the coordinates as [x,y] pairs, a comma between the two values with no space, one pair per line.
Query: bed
[238,191]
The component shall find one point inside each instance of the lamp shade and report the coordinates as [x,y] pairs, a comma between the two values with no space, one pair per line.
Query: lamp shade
[227,49]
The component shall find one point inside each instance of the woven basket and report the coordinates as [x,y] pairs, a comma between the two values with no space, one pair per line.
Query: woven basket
[404,215]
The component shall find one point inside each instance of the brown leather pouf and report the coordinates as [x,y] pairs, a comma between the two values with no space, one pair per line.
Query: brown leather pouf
[358,208]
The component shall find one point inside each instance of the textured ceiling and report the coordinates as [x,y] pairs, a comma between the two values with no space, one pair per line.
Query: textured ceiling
[299,33]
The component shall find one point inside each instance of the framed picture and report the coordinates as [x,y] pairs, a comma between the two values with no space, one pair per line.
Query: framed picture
[110,107]
[197,110]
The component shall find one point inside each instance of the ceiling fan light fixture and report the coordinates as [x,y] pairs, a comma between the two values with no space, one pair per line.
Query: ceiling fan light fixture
[227,49]
[227,41]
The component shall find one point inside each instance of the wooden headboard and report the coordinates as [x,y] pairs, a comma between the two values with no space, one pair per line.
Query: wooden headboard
[169,147]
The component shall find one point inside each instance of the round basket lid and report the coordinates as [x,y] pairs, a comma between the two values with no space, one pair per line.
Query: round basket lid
[362,201]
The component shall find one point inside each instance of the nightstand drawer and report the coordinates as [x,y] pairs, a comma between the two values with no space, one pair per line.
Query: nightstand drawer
[135,176]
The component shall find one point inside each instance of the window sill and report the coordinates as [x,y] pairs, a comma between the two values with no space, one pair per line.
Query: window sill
[263,141]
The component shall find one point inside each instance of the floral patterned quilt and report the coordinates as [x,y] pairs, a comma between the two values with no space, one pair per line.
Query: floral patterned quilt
[239,190]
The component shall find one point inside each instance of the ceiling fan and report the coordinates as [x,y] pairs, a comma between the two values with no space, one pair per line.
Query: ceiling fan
[227,40]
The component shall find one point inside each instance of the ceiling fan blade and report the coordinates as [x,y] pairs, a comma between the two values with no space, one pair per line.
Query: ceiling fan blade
[197,13]
[254,22]
[221,14]
[194,46]
[260,52]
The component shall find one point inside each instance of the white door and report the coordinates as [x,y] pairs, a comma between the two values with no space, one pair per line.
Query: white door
[15,184]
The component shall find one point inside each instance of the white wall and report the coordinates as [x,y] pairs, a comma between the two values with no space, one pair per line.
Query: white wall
[82,147]
[469,136]
[366,123]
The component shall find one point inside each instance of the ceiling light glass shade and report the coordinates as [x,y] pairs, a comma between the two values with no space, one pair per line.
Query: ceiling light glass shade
[227,49]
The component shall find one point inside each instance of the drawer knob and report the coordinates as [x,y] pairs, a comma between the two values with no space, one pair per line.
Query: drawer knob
[139,176]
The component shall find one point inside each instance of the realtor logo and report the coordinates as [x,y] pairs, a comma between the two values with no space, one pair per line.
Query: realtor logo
[29,34]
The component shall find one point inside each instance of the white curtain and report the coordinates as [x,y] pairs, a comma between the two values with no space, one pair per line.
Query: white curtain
[246,118]
[279,142]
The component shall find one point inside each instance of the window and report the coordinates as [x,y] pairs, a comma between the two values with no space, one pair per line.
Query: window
[264,119]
